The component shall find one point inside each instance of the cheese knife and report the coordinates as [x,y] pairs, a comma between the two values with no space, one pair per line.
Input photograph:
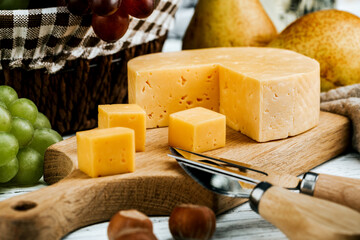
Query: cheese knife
[342,190]
[297,215]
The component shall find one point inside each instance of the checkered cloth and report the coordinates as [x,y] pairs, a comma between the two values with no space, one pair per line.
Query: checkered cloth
[47,38]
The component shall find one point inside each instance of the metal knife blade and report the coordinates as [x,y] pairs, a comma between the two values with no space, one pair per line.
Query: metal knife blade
[246,171]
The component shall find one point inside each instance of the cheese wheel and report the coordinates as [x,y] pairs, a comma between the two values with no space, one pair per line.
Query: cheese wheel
[265,93]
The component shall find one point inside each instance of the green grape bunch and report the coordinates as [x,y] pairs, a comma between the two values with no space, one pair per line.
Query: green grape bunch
[25,134]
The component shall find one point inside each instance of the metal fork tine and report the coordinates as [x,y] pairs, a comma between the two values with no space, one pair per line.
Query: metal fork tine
[226,161]
[284,180]
[216,170]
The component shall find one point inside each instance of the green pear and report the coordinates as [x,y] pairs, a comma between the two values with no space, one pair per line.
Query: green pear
[331,37]
[227,23]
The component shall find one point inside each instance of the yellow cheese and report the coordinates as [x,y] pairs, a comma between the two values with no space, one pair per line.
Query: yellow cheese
[265,93]
[125,115]
[197,129]
[161,92]
[103,152]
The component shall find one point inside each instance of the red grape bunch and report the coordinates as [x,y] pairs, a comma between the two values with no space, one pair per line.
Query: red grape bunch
[110,18]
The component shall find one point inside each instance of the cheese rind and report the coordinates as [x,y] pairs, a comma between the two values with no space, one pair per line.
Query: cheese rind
[197,129]
[103,152]
[125,115]
[265,93]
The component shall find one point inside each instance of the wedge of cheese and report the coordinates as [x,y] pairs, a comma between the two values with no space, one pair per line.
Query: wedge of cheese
[265,93]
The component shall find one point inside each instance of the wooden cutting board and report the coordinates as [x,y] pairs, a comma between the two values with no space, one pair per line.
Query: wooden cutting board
[158,184]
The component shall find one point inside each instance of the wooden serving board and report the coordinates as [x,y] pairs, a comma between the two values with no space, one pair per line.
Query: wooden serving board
[158,184]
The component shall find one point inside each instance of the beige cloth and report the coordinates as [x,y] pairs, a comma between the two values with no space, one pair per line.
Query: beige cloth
[345,101]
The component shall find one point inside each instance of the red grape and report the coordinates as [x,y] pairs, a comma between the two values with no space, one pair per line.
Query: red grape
[61,3]
[78,7]
[138,8]
[104,7]
[111,28]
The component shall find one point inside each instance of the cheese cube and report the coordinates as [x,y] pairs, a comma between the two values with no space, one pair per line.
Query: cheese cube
[197,129]
[103,152]
[125,115]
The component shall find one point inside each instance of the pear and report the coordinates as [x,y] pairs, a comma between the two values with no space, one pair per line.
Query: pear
[331,37]
[227,23]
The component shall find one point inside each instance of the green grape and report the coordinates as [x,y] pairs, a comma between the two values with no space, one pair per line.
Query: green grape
[9,170]
[2,104]
[30,167]
[5,120]
[44,138]
[22,130]
[42,121]
[24,108]
[9,147]
[13,4]
[7,95]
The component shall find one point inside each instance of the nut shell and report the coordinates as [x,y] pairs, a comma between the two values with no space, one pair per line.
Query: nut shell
[193,222]
[136,234]
[126,220]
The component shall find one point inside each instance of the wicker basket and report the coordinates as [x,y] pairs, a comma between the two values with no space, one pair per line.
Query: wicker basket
[92,72]
[69,98]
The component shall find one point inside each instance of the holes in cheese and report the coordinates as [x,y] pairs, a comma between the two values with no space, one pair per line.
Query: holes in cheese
[183,80]
[241,83]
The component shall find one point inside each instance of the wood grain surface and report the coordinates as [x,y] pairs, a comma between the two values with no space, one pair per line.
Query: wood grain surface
[300,216]
[345,191]
[158,184]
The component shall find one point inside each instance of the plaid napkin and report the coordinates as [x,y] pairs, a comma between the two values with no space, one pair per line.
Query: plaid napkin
[47,38]
[345,101]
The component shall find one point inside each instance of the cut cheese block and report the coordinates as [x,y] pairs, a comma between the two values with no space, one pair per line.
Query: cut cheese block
[124,115]
[197,130]
[265,93]
[108,151]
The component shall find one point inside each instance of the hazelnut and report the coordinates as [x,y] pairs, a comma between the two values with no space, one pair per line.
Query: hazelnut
[193,222]
[128,219]
[136,234]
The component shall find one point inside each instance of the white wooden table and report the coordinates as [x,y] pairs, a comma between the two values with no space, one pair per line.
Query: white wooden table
[238,223]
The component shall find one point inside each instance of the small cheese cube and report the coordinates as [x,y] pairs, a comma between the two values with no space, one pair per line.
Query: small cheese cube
[125,115]
[103,152]
[197,129]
